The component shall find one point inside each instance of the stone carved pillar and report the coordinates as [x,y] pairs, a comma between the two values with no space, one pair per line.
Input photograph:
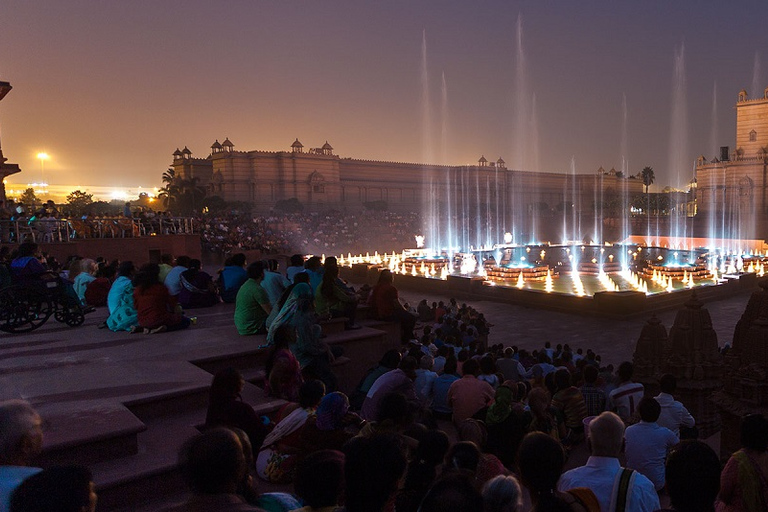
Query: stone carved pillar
[694,358]
[650,353]
[746,377]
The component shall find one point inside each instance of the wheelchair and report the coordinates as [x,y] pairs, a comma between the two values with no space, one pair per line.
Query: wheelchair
[25,306]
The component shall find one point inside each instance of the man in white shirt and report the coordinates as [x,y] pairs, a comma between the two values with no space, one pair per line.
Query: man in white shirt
[510,367]
[648,443]
[274,283]
[604,475]
[21,439]
[673,414]
[624,399]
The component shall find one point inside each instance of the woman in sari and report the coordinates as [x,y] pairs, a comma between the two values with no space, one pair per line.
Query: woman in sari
[282,368]
[281,449]
[122,313]
[744,481]
[328,430]
[197,288]
[298,315]
[507,424]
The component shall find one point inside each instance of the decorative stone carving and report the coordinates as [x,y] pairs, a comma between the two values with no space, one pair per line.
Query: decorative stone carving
[693,356]
[650,352]
[746,371]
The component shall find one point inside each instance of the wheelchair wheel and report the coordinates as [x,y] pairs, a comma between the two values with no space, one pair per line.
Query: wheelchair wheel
[23,309]
[74,318]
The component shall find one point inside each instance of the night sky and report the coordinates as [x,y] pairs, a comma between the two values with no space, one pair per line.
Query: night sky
[111,88]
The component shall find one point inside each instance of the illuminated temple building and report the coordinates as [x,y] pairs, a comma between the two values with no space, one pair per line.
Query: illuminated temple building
[320,179]
[732,188]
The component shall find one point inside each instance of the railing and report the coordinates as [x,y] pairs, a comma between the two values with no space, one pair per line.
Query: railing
[67,230]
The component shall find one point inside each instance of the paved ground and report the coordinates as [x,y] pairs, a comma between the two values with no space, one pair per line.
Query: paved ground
[614,339]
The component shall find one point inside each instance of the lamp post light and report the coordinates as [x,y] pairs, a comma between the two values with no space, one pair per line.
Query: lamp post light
[42,157]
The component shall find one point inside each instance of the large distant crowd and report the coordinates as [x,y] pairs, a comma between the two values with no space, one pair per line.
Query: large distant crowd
[224,234]
[331,232]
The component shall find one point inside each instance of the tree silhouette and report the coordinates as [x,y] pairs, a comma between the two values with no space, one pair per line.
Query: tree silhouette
[78,201]
[168,194]
[29,198]
[648,177]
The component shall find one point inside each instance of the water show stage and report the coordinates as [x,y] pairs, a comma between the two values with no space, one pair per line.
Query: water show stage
[614,280]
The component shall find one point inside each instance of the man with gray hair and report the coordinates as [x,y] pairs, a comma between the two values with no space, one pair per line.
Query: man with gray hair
[616,488]
[21,439]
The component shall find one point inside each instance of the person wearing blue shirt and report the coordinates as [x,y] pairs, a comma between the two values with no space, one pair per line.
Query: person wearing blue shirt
[232,277]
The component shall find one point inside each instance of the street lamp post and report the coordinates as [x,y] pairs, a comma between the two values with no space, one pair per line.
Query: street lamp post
[43,157]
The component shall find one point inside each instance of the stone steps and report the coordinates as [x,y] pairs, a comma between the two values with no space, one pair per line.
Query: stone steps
[127,418]
[152,471]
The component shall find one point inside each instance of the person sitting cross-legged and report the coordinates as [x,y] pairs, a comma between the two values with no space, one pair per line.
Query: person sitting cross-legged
[155,306]
[252,305]
[385,304]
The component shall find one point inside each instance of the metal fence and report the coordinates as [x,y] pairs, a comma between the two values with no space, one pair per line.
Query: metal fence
[67,230]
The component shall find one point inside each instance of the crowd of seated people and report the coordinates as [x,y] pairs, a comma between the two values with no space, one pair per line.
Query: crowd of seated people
[319,233]
[516,415]
[395,456]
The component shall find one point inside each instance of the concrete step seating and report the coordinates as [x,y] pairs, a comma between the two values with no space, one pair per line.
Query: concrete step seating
[132,445]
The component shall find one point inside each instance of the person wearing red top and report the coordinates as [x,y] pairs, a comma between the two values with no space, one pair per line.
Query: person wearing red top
[385,302]
[154,304]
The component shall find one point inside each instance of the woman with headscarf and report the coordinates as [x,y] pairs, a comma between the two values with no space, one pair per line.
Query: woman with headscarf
[197,287]
[488,465]
[314,355]
[281,449]
[122,313]
[328,430]
[227,409]
[507,423]
[282,368]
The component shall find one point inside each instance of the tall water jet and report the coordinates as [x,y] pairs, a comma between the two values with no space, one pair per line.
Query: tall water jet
[712,217]
[534,131]
[444,160]
[679,160]
[624,149]
[428,196]
[574,223]
[521,101]
[533,165]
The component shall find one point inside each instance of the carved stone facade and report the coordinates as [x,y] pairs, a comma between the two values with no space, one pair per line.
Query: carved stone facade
[746,375]
[321,180]
[650,353]
[732,187]
[691,354]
